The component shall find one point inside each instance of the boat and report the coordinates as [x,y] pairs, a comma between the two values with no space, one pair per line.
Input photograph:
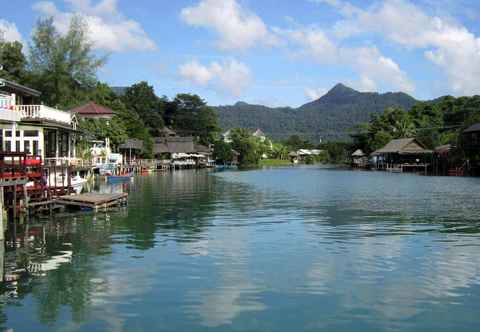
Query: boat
[77,183]
[120,177]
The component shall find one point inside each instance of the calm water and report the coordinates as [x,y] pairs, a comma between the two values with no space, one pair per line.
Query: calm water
[300,249]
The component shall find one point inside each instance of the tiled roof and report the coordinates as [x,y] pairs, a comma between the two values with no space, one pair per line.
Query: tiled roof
[92,108]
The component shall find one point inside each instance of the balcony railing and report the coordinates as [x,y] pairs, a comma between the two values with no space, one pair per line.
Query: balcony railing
[7,112]
[67,161]
[42,112]
[5,102]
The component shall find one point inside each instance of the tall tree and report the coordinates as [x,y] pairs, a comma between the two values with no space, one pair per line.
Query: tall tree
[192,116]
[12,61]
[141,99]
[248,146]
[63,66]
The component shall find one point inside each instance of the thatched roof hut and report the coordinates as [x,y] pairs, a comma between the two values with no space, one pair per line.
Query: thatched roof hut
[358,154]
[472,129]
[132,144]
[403,146]
[173,145]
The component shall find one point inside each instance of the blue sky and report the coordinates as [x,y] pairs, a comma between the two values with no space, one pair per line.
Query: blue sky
[274,52]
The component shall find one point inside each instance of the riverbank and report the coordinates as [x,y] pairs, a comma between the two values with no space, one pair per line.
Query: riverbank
[275,163]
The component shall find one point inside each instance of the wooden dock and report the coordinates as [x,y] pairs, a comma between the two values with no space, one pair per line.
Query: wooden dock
[93,200]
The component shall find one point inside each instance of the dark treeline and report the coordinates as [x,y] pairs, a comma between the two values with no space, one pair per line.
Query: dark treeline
[434,123]
[63,67]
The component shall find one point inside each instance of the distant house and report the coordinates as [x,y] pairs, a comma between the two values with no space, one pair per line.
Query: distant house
[260,134]
[359,159]
[93,111]
[471,138]
[167,132]
[167,146]
[471,146]
[227,136]
[131,149]
[402,155]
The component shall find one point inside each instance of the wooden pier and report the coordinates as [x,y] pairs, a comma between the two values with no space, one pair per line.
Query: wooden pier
[93,201]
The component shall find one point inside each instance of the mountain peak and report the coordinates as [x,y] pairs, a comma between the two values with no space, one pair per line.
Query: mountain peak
[241,103]
[341,90]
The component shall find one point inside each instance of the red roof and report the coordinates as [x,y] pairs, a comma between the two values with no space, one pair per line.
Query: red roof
[91,109]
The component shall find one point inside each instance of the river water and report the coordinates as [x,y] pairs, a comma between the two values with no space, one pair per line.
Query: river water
[288,249]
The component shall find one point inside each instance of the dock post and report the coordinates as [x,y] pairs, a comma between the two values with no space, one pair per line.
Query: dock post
[14,215]
[2,226]
[27,199]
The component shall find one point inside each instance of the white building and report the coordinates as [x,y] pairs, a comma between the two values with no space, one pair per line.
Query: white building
[38,130]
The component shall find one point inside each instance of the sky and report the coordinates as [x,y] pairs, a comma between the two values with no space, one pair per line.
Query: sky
[272,52]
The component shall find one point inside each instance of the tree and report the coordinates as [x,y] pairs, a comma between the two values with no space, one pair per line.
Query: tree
[247,146]
[141,99]
[193,117]
[13,62]
[295,143]
[101,128]
[222,152]
[63,67]
[279,151]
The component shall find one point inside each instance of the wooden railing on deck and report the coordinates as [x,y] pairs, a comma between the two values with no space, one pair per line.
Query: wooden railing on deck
[44,112]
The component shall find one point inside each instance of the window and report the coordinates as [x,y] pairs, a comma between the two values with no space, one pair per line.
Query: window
[17,146]
[8,133]
[30,133]
[35,148]
[26,147]
[17,133]
[8,146]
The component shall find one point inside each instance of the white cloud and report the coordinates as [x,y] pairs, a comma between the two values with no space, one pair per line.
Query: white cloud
[228,76]
[196,73]
[366,84]
[9,31]
[108,29]
[237,28]
[368,62]
[314,93]
[447,44]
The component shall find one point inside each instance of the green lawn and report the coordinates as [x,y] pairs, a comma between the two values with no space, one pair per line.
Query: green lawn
[275,162]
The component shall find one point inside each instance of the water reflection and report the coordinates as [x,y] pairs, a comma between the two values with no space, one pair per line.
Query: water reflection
[283,250]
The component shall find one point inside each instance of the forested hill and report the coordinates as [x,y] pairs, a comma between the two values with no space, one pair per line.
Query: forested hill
[328,118]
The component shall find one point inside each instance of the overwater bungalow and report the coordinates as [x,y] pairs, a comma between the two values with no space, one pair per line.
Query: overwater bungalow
[131,149]
[359,159]
[181,151]
[471,146]
[26,125]
[402,155]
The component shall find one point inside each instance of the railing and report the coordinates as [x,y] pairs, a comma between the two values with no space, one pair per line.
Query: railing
[66,161]
[44,112]
[5,102]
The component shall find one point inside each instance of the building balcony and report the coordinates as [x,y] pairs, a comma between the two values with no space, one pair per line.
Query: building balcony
[11,112]
[7,111]
[42,112]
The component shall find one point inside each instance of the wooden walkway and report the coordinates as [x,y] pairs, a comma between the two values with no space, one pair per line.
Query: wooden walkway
[93,201]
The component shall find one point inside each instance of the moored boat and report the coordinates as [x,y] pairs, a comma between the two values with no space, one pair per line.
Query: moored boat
[120,177]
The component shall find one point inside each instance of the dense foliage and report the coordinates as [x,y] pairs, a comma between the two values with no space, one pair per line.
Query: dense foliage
[63,68]
[328,118]
[434,123]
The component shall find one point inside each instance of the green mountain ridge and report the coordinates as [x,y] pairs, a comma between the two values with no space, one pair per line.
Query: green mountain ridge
[328,118]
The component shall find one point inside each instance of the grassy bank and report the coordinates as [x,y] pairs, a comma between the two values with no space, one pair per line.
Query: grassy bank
[275,162]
